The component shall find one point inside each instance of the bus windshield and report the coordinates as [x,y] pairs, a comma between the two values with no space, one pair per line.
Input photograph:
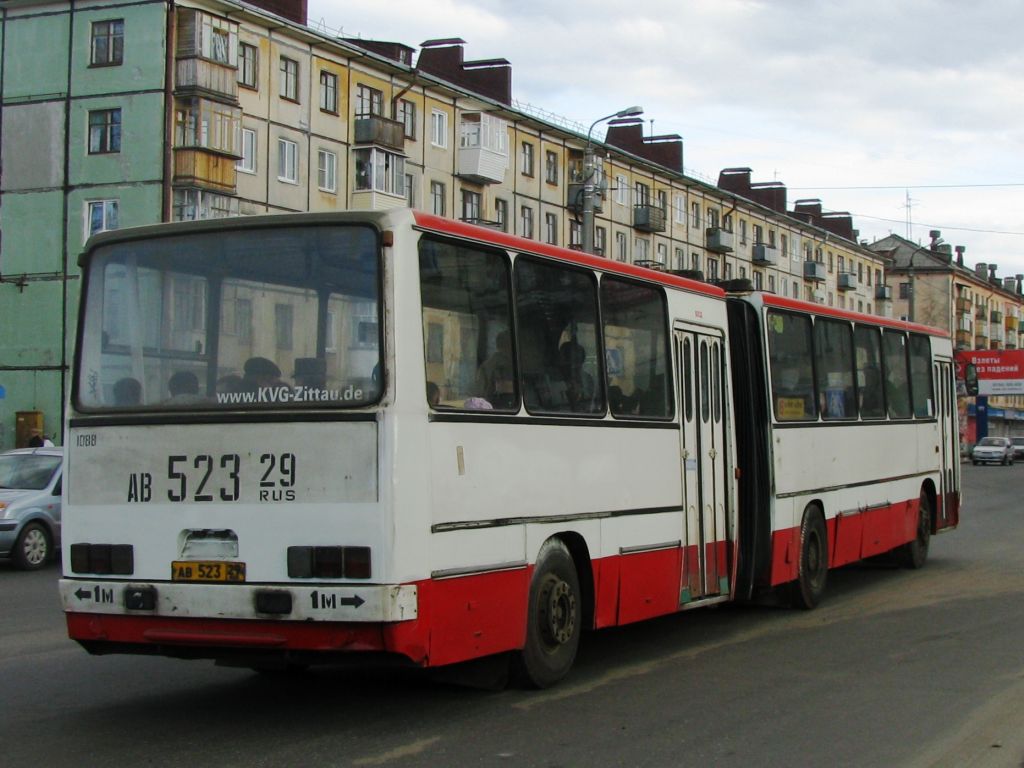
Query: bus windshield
[283,317]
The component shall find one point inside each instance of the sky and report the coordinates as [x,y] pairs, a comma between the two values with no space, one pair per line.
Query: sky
[864,104]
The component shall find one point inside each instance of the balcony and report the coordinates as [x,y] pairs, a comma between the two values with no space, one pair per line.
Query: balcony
[997,333]
[206,76]
[649,218]
[980,313]
[374,129]
[883,292]
[483,148]
[814,270]
[964,324]
[996,316]
[1012,323]
[718,240]
[846,281]
[963,339]
[204,169]
[963,305]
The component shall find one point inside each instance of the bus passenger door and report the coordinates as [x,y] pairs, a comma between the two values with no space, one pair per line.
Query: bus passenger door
[705,568]
[948,513]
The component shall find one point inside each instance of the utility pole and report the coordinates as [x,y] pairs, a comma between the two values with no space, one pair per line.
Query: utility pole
[589,188]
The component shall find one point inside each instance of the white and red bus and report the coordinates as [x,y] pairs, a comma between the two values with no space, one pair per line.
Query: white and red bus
[295,439]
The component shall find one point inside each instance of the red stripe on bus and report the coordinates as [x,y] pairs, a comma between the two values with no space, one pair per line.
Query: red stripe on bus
[799,305]
[851,537]
[521,244]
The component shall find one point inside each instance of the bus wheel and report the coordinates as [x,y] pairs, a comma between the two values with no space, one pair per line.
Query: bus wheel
[914,554]
[554,618]
[812,571]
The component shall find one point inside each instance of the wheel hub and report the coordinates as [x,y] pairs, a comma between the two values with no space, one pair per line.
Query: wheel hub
[558,613]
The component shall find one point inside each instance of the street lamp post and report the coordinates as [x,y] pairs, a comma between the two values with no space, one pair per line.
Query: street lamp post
[589,188]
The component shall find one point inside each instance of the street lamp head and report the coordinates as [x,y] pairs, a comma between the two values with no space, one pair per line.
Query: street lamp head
[630,112]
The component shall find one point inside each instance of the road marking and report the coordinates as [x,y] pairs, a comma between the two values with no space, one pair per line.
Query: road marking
[408,750]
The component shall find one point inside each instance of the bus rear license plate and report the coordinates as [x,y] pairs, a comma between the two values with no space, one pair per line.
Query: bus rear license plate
[207,570]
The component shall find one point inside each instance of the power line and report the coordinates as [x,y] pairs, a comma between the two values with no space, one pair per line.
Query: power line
[935,226]
[914,186]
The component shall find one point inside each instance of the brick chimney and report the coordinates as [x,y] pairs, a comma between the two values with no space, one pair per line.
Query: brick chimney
[488,77]
[293,10]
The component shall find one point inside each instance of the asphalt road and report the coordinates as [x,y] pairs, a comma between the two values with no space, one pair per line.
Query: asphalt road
[895,668]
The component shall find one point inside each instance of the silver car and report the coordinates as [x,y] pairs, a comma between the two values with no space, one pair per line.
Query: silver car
[993,449]
[30,485]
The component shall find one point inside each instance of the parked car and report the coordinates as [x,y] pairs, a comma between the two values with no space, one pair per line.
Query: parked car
[998,450]
[1018,447]
[30,485]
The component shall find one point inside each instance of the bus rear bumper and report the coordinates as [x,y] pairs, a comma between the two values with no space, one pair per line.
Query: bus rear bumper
[291,602]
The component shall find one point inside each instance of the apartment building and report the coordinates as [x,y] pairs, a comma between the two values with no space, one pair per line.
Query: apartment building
[123,114]
[980,310]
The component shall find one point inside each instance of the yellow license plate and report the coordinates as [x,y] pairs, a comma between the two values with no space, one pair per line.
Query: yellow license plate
[207,570]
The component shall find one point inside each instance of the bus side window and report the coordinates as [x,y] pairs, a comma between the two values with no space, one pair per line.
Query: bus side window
[790,359]
[465,292]
[833,357]
[920,377]
[556,309]
[897,378]
[868,351]
[635,319]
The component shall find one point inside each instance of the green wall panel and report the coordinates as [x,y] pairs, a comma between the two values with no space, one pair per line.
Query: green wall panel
[142,68]
[31,319]
[137,204]
[36,56]
[31,235]
[142,132]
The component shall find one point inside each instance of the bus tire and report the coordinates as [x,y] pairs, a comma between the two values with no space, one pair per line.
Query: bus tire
[33,548]
[914,554]
[554,618]
[812,569]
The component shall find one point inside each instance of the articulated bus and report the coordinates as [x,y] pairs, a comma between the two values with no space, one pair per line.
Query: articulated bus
[384,436]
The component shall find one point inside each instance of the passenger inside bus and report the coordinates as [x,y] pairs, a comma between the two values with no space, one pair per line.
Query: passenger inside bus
[127,391]
[259,372]
[576,388]
[184,388]
[495,378]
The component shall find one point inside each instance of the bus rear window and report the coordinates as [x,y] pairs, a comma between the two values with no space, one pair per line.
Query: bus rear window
[265,318]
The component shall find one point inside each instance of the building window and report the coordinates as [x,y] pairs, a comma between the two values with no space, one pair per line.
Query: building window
[551,167]
[328,92]
[107,44]
[283,320]
[287,161]
[439,128]
[621,189]
[220,44]
[575,234]
[643,193]
[551,228]
[407,117]
[695,261]
[727,222]
[247,164]
[680,262]
[743,232]
[663,201]
[600,241]
[758,234]
[662,250]
[526,221]
[904,290]
[197,204]
[326,173]
[247,65]
[470,205]
[679,209]
[712,269]
[380,171]
[695,215]
[526,159]
[437,197]
[410,190]
[104,131]
[369,102]
[621,246]
[101,215]
[771,283]
[758,281]
[289,79]
[641,250]
[501,214]
[712,217]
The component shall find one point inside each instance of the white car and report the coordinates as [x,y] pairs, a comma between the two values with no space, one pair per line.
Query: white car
[997,450]
[30,482]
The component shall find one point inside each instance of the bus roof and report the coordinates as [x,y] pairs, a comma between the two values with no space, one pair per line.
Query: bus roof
[798,305]
[433,223]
